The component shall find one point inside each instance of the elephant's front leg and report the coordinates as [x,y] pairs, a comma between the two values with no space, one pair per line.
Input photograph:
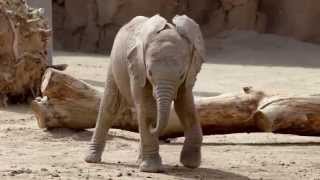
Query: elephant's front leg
[185,109]
[107,112]
[149,158]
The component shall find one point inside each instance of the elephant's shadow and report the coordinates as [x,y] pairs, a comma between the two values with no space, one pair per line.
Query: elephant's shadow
[186,173]
[85,135]
[202,173]
[176,171]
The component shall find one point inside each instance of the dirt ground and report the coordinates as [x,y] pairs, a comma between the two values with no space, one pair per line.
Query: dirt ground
[235,60]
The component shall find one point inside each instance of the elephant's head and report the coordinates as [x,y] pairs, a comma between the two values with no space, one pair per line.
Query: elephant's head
[168,57]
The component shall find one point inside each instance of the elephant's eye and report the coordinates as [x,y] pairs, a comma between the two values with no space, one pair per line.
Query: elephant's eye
[149,72]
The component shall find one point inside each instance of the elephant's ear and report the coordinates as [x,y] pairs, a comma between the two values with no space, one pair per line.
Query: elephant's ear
[137,46]
[189,29]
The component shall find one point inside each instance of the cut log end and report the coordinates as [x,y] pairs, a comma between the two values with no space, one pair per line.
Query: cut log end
[41,113]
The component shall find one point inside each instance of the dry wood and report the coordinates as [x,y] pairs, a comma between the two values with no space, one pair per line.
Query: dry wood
[299,115]
[71,103]
[23,51]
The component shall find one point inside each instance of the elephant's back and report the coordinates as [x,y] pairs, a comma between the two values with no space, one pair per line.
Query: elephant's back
[124,40]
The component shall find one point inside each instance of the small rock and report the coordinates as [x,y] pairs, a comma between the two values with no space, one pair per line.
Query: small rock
[55,175]
[129,174]
[28,171]
[43,169]
[119,174]
[15,172]
[197,177]
[57,171]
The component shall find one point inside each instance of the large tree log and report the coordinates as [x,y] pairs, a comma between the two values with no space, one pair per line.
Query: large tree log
[71,103]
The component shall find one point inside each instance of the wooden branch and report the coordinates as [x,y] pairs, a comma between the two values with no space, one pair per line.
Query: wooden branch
[71,103]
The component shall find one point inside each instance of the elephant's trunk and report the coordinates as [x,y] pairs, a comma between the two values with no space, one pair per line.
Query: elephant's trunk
[164,94]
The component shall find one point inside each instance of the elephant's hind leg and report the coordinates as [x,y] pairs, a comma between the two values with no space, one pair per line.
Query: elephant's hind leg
[107,112]
[191,151]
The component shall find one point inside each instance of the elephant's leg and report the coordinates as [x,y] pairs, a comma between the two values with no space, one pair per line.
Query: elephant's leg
[150,160]
[185,109]
[107,112]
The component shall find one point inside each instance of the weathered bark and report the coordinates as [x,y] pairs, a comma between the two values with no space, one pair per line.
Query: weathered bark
[289,114]
[71,103]
[23,51]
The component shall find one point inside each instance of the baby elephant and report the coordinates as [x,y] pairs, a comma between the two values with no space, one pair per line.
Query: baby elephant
[153,63]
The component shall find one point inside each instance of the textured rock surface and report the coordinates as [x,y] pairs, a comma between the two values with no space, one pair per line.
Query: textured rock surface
[296,18]
[91,25]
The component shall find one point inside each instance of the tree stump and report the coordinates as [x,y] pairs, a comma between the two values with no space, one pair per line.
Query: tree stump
[24,37]
[71,103]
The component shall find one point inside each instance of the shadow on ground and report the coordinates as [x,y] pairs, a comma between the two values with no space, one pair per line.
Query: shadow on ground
[23,109]
[186,173]
[85,135]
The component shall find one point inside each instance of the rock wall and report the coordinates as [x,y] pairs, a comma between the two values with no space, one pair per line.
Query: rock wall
[295,18]
[91,25]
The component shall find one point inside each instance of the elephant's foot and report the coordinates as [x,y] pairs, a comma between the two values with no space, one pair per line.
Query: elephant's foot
[152,164]
[191,156]
[92,158]
[94,154]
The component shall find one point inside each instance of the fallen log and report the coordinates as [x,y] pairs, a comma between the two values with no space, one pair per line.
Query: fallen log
[71,103]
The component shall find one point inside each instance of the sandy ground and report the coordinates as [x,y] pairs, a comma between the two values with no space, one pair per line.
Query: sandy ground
[235,60]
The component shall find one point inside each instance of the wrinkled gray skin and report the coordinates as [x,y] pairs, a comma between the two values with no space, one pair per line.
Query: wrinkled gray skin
[153,63]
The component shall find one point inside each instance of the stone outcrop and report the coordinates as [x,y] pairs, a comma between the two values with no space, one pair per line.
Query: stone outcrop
[294,18]
[91,25]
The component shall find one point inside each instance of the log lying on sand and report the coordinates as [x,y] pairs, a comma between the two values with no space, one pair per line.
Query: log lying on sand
[71,103]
